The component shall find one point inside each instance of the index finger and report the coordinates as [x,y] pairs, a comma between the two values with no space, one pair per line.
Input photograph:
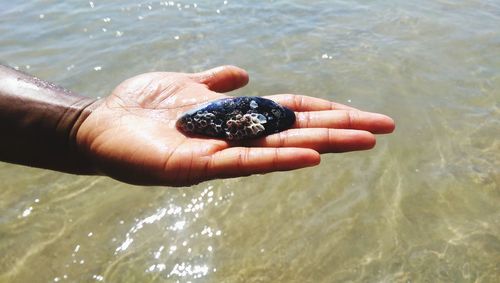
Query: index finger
[244,161]
[307,103]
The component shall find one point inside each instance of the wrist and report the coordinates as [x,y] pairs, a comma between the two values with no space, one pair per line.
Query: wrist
[73,122]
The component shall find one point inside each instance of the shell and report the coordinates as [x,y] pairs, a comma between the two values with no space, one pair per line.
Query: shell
[237,118]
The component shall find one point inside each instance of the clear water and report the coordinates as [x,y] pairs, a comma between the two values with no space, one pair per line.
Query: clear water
[423,206]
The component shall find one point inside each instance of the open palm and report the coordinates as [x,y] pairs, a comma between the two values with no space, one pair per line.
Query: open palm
[131,135]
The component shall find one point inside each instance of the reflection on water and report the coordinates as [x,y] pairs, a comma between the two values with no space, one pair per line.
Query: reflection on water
[184,259]
[422,206]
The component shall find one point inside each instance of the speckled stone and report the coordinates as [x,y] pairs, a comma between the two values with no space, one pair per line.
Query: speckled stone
[237,118]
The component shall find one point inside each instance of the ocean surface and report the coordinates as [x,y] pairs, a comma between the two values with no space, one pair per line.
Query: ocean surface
[422,206]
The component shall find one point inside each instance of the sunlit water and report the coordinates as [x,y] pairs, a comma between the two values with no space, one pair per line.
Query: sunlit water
[423,206]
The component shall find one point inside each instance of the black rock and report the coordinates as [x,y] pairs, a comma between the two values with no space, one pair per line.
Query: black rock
[237,118]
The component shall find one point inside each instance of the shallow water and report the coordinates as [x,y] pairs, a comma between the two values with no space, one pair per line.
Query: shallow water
[423,206]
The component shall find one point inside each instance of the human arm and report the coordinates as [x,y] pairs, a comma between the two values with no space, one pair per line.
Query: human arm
[38,123]
[131,134]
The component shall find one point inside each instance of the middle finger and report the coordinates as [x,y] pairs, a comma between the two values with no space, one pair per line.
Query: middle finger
[345,119]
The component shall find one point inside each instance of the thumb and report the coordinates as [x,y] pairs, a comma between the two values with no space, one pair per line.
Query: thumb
[223,78]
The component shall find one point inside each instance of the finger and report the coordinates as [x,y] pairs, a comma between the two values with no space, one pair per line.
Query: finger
[320,140]
[244,161]
[307,103]
[345,119]
[223,78]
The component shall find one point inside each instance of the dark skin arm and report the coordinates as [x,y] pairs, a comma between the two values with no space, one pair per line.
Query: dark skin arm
[131,134]
[38,123]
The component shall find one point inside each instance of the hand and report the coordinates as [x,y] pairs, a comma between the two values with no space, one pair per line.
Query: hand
[131,135]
